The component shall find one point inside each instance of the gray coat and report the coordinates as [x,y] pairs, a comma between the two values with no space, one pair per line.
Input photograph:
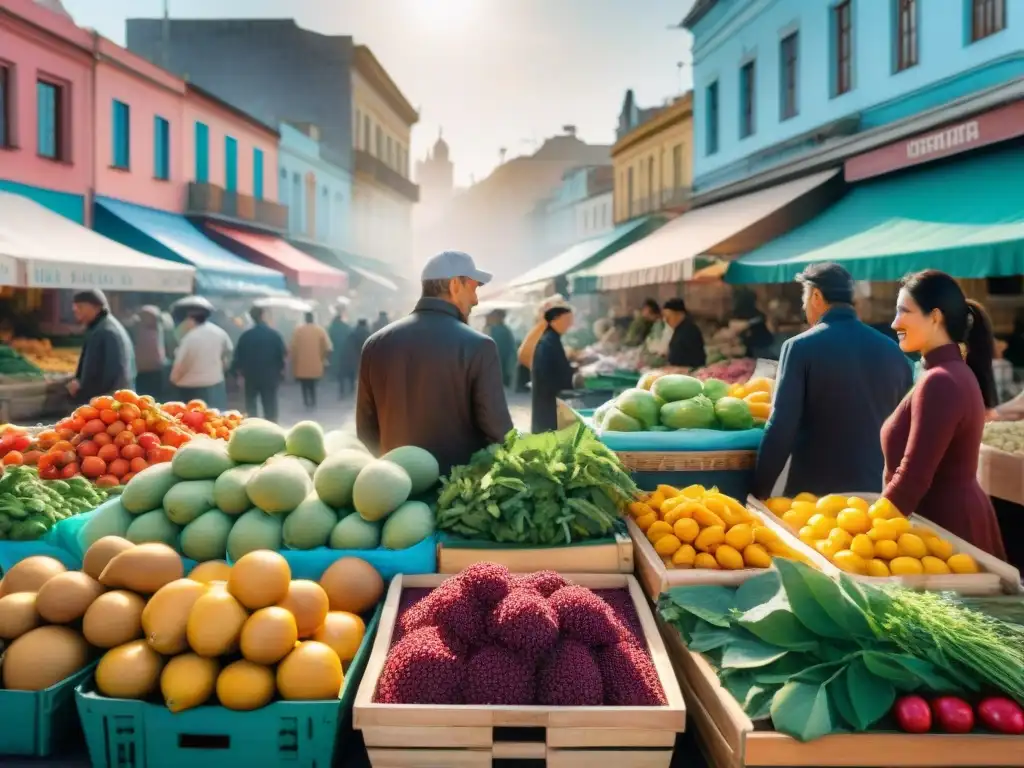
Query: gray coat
[107,362]
[432,381]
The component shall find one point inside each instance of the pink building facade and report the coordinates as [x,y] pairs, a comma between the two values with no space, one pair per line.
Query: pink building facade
[46,102]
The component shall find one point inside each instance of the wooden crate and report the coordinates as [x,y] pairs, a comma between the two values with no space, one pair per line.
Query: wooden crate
[1001,474]
[729,739]
[411,736]
[997,577]
[610,557]
[656,577]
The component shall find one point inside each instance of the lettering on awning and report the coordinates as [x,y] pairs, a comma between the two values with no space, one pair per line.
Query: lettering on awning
[941,141]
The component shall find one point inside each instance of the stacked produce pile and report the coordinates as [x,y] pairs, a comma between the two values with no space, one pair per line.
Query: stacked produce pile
[486,637]
[46,357]
[1005,436]
[730,371]
[29,506]
[545,489]
[667,402]
[271,489]
[14,367]
[869,539]
[819,656]
[245,633]
[700,528]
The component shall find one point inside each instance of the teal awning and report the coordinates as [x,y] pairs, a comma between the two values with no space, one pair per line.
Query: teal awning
[965,217]
[589,252]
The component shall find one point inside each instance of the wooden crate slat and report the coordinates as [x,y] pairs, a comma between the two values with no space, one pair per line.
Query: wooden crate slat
[611,557]
[561,738]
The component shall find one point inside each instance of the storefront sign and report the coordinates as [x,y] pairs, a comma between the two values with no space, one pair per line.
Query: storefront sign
[78,276]
[1000,124]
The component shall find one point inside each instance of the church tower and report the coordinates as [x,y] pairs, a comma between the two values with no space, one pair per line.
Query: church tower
[436,174]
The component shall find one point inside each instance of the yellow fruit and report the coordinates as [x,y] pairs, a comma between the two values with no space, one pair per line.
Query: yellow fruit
[755,556]
[144,568]
[268,635]
[765,535]
[807,535]
[934,565]
[686,529]
[42,657]
[639,509]
[308,603]
[259,579]
[854,521]
[779,505]
[657,530]
[922,532]
[343,632]
[114,618]
[693,492]
[130,671]
[709,537]
[886,549]
[667,545]
[807,508]
[706,561]
[101,552]
[806,497]
[862,546]
[962,563]
[646,521]
[352,585]
[910,545]
[706,517]
[244,686]
[850,562]
[215,623]
[882,509]
[883,530]
[66,597]
[826,548]
[795,519]
[740,536]
[655,500]
[840,538]
[670,512]
[729,558]
[878,568]
[856,502]
[311,672]
[899,525]
[906,566]
[212,570]
[716,506]
[30,574]
[940,548]
[684,556]
[188,681]
[822,525]
[18,614]
[832,504]
[165,617]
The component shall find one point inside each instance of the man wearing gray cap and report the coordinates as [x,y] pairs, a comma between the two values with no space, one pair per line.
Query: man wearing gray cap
[107,361]
[429,379]
[837,383]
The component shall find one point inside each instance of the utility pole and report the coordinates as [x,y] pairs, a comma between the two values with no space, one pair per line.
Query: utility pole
[165,29]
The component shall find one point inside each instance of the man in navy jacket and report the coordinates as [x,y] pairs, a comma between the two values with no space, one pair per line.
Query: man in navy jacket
[837,383]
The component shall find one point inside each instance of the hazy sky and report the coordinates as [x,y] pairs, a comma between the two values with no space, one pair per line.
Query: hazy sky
[492,73]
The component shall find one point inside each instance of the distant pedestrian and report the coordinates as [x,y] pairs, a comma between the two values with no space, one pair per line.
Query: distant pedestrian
[552,373]
[201,358]
[310,351]
[339,333]
[354,345]
[381,323]
[150,353]
[107,362]
[506,343]
[259,359]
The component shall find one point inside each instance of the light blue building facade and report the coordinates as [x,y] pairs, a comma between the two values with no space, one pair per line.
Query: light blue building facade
[318,193]
[559,229]
[776,79]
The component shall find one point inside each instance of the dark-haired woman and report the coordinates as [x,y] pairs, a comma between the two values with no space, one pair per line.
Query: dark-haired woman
[551,372]
[932,439]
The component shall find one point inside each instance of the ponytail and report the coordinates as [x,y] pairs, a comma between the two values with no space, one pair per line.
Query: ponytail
[981,348]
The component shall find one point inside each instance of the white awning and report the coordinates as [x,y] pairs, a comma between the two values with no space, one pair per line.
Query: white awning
[42,249]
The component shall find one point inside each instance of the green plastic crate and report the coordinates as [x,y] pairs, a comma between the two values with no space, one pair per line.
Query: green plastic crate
[36,723]
[295,734]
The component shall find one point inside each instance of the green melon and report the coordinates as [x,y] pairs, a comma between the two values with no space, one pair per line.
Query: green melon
[279,487]
[109,519]
[206,537]
[255,440]
[146,490]
[201,459]
[188,500]
[380,489]
[309,525]
[153,527]
[352,532]
[306,439]
[337,474]
[407,526]
[254,530]
[419,464]
[229,489]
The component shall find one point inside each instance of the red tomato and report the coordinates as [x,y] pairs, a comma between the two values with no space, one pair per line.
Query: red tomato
[1002,715]
[148,440]
[102,438]
[115,428]
[138,464]
[102,402]
[22,442]
[62,445]
[87,413]
[66,457]
[107,481]
[126,396]
[70,470]
[119,467]
[175,437]
[912,714]
[94,427]
[32,458]
[66,434]
[7,442]
[93,466]
[109,452]
[47,438]
[108,415]
[46,461]
[77,440]
[127,478]
[138,426]
[953,715]
[147,401]
[50,473]
[160,454]
[14,458]
[129,413]
[194,419]
[196,405]
[77,422]
[65,424]
[124,438]
[132,451]
[87,448]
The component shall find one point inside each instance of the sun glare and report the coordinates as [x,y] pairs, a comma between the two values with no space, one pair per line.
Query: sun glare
[444,15]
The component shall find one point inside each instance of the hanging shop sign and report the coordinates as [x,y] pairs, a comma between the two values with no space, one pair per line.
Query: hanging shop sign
[1002,124]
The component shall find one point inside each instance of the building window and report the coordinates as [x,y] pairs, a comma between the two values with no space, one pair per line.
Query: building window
[202,153]
[296,207]
[230,164]
[747,100]
[365,145]
[378,142]
[122,135]
[987,18]
[356,128]
[161,149]
[390,153]
[788,58]
[677,166]
[711,115]
[257,173]
[906,34]
[842,31]
[650,183]
[50,113]
[629,193]
[6,104]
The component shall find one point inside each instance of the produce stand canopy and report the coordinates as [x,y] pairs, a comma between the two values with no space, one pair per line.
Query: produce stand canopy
[54,252]
[299,267]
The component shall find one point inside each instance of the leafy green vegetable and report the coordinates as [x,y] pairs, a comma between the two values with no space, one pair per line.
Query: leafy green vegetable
[30,506]
[546,489]
[804,711]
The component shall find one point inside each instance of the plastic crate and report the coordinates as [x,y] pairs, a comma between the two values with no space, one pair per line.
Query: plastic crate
[36,723]
[135,734]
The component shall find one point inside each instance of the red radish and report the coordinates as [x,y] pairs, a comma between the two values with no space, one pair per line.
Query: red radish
[1002,715]
[912,714]
[953,715]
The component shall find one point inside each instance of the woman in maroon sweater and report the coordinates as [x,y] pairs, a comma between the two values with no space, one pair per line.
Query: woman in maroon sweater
[931,441]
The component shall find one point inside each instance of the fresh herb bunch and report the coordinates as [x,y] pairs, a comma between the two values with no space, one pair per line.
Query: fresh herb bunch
[546,489]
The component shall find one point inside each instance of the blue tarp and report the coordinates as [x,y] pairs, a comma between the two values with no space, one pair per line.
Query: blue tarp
[683,440]
[171,237]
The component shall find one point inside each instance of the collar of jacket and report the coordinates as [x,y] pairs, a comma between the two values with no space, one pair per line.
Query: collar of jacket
[104,313]
[838,314]
[429,304]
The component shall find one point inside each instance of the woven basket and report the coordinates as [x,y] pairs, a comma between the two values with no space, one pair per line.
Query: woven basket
[688,461]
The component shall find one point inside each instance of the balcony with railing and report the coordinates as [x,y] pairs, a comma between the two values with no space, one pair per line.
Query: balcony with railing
[382,173]
[673,200]
[217,202]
